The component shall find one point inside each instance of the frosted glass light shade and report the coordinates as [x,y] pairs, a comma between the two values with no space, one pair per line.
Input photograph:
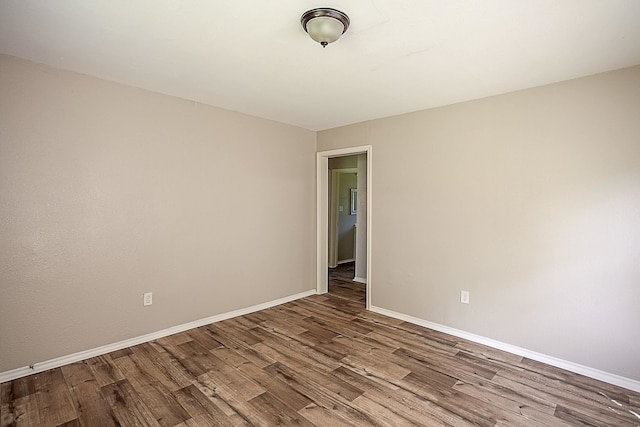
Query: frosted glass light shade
[324,29]
[324,25]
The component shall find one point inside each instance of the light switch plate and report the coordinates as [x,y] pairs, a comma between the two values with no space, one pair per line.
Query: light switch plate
[464,297]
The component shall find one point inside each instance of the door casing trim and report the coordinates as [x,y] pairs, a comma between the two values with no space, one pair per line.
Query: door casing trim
[322,214]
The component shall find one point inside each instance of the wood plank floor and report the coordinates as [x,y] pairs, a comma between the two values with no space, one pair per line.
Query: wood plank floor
[319,361]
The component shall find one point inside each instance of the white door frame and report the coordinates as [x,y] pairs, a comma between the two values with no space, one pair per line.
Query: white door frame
[322,214]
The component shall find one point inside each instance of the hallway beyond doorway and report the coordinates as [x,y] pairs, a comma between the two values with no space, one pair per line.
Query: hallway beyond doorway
[341,284]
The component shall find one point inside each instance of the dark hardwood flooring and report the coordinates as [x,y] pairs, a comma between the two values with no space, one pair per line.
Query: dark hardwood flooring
[319,361]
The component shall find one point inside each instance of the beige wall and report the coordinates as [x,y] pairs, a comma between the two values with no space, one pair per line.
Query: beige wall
[530,201]
[109,191]
[343,162]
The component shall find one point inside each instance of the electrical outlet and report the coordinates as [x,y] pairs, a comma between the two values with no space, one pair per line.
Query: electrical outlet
[148,298]
[464,297]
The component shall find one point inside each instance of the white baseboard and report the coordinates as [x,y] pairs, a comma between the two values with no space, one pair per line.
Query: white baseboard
[360,280]
[86,354]
[607,377]
[344,261]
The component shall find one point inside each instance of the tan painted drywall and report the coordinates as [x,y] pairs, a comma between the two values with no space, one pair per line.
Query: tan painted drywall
[530,201]
[108,191]
[343,162]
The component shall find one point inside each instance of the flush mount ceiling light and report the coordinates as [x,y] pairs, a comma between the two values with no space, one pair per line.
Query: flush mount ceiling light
[324,25]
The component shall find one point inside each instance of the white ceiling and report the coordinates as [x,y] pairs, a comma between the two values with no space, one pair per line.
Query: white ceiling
[254,57]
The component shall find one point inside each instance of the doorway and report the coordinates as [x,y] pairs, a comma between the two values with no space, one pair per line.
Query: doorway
[364,198]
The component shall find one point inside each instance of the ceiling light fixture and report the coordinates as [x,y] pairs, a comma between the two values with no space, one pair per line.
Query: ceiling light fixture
[324,25]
